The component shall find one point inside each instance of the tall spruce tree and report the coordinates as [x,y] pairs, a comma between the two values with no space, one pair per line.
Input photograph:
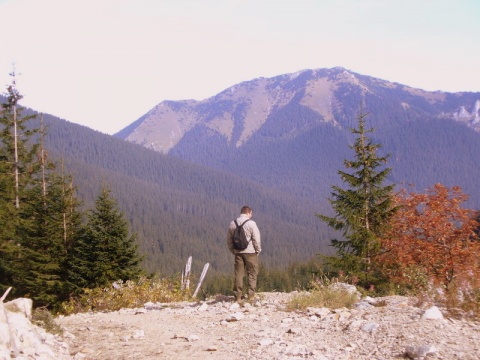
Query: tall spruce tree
[362,210]
[106,252]
[38,210]
[17,171]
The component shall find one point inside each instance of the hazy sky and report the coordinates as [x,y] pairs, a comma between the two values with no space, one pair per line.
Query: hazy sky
[105,63]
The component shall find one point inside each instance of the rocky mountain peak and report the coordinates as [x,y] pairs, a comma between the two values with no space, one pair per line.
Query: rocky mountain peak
[240,111]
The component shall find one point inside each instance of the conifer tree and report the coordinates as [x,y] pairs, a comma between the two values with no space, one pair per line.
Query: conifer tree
[38,210]
[17,171]
[106,252]
[47,242]
[363,209]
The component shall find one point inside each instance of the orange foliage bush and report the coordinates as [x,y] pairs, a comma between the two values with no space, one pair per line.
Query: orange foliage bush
[432,239]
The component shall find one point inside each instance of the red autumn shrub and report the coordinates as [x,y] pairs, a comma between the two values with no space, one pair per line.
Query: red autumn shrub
[432,239]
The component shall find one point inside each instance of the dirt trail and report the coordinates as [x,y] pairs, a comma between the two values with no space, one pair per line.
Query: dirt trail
[221,329]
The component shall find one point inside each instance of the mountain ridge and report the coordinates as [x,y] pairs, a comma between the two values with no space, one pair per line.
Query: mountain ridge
[242,109]
[305,118]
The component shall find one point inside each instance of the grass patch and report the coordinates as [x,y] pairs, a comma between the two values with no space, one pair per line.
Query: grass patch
[323,297]
[43,318]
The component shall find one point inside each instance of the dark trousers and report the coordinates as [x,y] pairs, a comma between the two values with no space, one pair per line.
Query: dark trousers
[248,262]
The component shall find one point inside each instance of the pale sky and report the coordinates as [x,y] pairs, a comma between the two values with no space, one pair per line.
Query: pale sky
[105,63]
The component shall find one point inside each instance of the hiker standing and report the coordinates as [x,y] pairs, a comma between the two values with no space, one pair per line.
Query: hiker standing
[246,259]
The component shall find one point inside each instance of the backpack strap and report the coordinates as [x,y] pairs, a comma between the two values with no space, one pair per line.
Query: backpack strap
[235,221]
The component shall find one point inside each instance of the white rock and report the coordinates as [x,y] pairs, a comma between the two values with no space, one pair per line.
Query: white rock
[363,305]
[370,327]
[265,342]
[320,312]
[125,338]
[193,337]
[344,315]
[421,351]
[355,325]
[433,313]
[139,334]
[20,305]
[236,317]
[203,307]
[235,306]
[23,340]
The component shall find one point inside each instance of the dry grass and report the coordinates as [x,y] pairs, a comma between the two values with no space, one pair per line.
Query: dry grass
[325,292]
[461,303]
[43,318]
[129,294]
[323,297]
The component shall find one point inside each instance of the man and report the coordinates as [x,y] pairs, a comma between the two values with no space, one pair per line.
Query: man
[245,259]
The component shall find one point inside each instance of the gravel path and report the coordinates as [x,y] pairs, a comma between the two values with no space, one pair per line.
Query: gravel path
[221,329]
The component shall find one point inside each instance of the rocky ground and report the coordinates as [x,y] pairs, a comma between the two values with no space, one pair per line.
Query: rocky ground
[382,328]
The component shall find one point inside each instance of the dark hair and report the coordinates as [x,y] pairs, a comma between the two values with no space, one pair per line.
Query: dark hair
[245,210]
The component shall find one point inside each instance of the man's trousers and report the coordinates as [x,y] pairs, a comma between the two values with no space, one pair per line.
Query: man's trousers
[248,262]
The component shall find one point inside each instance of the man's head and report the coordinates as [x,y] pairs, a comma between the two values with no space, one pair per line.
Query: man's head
[246,210]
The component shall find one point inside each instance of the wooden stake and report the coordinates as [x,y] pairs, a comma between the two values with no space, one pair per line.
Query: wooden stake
[204,272]
[186,274]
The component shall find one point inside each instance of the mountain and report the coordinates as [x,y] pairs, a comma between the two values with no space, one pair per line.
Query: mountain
[291,132]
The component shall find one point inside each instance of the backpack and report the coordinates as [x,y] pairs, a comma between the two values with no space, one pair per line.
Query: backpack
[240,241]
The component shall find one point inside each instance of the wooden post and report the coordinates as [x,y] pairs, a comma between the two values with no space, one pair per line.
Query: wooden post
[186,275]
[204,272]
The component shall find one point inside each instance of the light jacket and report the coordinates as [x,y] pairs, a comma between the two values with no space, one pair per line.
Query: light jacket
[253,236]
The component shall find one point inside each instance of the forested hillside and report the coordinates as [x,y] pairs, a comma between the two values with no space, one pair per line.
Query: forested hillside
[180,209]
[424,151]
